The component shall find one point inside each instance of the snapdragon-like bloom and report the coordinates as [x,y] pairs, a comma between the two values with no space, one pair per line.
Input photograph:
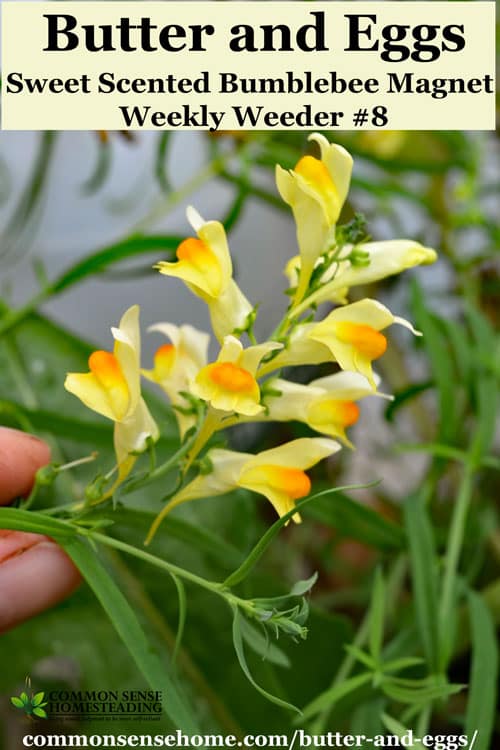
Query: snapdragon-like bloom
[229,384]
[315,190]
[380,260]
[176,365]
[112,388]
[352,334]
[327,405]
[205,265]
[278,474]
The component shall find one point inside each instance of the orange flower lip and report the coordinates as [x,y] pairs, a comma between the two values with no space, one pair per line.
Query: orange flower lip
[347,412]
[313,170]
[230,377]
[106,369]
[195,251]
[292,482]
[164,359]
[365,339]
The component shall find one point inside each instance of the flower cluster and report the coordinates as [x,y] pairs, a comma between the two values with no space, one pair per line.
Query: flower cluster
[245,382]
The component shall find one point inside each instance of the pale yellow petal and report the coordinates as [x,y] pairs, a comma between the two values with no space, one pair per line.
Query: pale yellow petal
[301,350]
[229,311]
[198,266]
[301,453]
[128,352]
[252,356]
[365,312]
[132,434]
[231,350]
[339,163]
[293,402]
[349,386]
[88,389]
[386,259]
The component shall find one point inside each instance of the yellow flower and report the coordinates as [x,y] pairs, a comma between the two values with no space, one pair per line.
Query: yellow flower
[315,190]
[112,388]
[278,474]
[177,364]
[229,384]
[204,264]
[382,259]
[352,334]
[327,404]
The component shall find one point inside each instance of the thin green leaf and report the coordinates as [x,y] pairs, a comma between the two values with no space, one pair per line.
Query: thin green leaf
[441,365]
[181,595]
[240,653]
[236,208]
[486,389]
[24,698]
[262,645]
[480,326]
[395,727]
[402,397]
[481,706]
[419,695]
[128,628]
[397,665]
[457,336]
[17,702]
[161,159]
[327,699]
[268,537]
[361,656]
[101,169]
[303,587]
[377,616]
[38,699]
[37,523]
[423,574]
[102,259]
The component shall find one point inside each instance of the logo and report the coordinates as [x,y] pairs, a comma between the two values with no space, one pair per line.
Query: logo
[32,704]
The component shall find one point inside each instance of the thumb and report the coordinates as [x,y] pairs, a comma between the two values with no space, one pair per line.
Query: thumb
[21,455]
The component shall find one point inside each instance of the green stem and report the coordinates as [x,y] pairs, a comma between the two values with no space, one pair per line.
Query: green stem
[213,586]
[165,205]
[209,426]
[453,550]
[137,594]
[164,468]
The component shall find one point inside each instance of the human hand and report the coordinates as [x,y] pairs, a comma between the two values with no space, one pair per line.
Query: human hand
[34,571]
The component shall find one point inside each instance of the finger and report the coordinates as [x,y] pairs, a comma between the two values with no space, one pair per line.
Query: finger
[21,455]
[34,574]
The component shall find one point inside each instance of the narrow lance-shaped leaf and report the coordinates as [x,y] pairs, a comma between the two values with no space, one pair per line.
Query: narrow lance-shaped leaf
[481,706]
[423,574]
[377,616]
[128,628]
[240,653]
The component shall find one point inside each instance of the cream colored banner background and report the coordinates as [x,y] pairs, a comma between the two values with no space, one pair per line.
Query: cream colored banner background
[24,35]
